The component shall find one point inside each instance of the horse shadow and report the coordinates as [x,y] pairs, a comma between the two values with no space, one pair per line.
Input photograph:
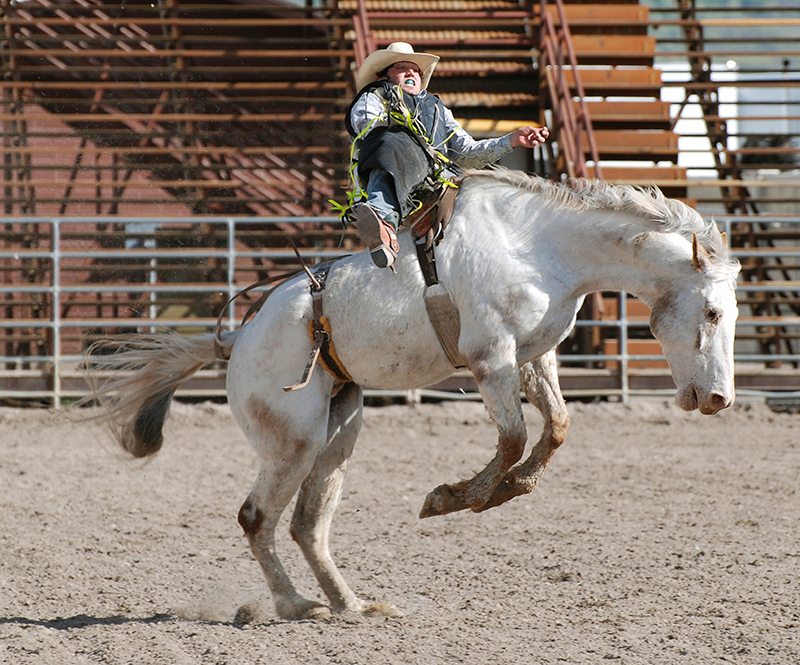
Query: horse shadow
[85,621]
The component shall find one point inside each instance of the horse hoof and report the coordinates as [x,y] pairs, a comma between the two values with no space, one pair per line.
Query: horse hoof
[251,613]
[442,501]
[315,613]
[304,611]
[381,610]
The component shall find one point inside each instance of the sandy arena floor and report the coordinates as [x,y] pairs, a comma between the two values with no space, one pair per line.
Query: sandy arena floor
[655,537]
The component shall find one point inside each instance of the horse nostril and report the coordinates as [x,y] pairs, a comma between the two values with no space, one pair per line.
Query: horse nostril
[719,402]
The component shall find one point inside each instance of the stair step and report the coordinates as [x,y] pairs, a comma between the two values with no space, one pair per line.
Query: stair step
[498,82]
[461,5]
[431,5]
[464,38]
[483,68]
[491,128]
[639,82]
[671,180]
[488,99]
[614,49]
[612,11]
[639,114]
[627,19]
[621,144]
[593,2]
[641,175]
[606,18]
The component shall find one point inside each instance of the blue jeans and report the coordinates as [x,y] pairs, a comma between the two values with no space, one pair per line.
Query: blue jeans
[381,197]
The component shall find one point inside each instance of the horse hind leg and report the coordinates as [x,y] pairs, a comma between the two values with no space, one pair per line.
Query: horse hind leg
[317,501]
[258,518]
[288,450]
[539,380]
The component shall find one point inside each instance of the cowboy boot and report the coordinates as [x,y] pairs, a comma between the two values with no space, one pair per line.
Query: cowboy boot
[378,235]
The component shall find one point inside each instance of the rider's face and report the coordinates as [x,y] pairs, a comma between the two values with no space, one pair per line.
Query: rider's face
[407,76]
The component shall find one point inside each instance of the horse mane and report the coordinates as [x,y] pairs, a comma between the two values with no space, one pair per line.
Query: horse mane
[645,203]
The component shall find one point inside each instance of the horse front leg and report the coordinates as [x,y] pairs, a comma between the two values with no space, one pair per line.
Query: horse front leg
[499,388]
[539,380]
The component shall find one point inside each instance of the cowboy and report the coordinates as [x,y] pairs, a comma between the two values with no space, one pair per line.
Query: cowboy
[402,136]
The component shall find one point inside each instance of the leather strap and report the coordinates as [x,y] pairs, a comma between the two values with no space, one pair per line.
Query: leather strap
[442,312]
[320,327]
[320,332]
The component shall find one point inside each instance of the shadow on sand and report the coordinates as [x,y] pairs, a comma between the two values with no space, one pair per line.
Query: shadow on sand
[84,621]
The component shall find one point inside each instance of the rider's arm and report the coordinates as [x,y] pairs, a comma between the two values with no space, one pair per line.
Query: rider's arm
[369,108]
[468,153]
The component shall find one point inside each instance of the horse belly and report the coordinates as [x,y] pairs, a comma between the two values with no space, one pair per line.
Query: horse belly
[401,356]
[380,327]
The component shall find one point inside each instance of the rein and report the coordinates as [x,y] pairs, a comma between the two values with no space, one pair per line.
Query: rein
[220,351]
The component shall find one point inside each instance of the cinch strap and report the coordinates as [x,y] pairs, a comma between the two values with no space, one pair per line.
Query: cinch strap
[320,331]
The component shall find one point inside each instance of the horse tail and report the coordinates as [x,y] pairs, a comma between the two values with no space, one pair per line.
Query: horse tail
[153,366]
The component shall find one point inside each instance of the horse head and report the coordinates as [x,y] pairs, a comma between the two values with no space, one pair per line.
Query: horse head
[694,322]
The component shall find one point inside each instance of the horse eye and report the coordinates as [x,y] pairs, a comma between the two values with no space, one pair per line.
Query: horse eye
[712,315]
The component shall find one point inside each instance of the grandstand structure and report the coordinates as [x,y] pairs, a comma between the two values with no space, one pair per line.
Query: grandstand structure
[158,155]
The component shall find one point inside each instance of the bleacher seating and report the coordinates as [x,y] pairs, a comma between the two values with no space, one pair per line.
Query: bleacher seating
[236,109]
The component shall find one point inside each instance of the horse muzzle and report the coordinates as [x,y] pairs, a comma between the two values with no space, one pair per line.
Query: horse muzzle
[689,400]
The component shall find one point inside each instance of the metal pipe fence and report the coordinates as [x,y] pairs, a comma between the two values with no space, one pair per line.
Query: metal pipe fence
[60,290]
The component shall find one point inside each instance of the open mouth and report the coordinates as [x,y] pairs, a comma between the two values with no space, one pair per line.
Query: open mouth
[409,81]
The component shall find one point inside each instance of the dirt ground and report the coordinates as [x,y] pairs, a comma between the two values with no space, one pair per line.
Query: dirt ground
[655,536]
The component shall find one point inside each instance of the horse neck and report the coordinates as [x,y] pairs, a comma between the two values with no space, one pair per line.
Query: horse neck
[612,251]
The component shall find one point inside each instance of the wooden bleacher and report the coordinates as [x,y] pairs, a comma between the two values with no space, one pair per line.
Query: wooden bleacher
[222,108]
[236,108]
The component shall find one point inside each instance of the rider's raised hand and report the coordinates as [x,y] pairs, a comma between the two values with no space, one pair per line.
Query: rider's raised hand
[529,137]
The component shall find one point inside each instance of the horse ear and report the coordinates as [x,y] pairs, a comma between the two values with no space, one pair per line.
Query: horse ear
[700,257]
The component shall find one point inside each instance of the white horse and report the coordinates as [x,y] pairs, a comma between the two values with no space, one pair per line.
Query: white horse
[519,256]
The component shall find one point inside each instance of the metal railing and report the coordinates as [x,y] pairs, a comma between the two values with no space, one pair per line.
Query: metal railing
[733,77]
[67,327]
[569,125]
[364,42]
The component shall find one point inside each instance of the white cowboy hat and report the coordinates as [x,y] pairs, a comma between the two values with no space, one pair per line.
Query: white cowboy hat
[379,60]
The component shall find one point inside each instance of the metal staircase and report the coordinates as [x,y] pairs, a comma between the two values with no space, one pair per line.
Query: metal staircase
[196,109]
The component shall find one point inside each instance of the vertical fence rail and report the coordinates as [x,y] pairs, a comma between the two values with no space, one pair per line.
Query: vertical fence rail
[231,224]
[55,263]
[623,347]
